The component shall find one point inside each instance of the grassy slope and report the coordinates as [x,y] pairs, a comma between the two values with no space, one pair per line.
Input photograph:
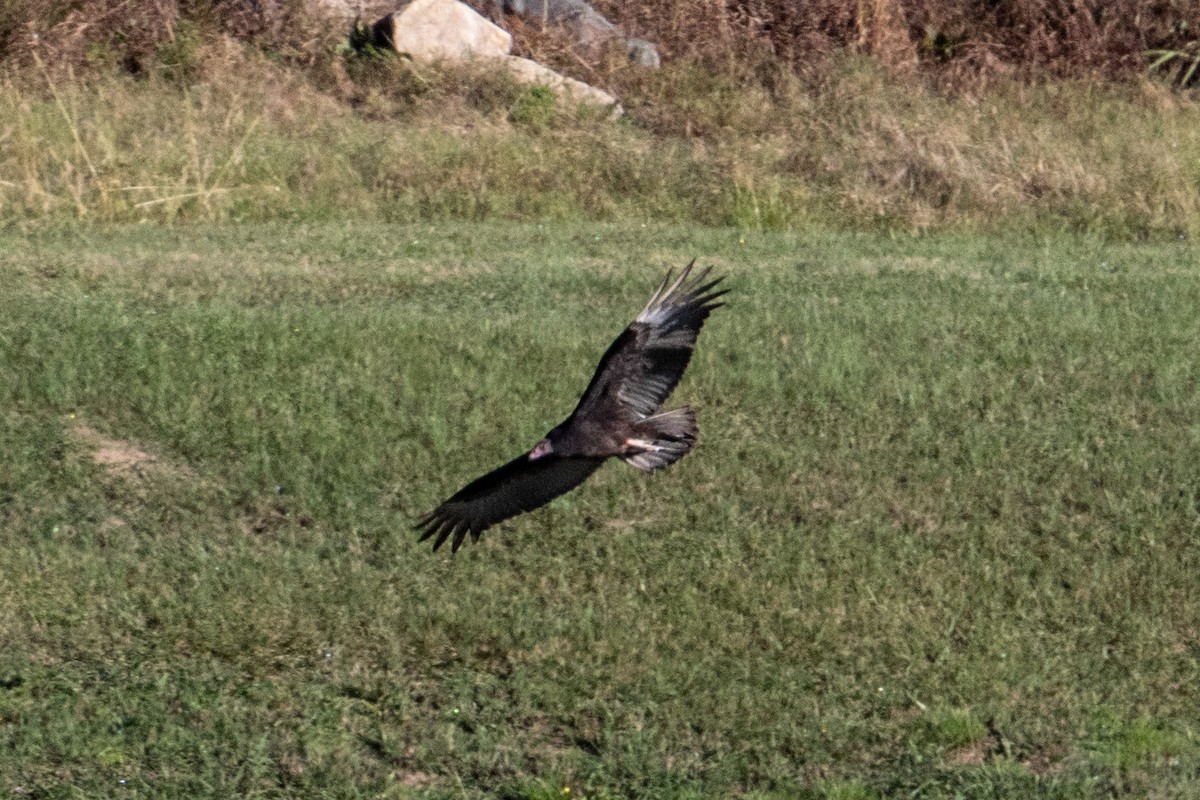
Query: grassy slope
[756,149]
[940,534]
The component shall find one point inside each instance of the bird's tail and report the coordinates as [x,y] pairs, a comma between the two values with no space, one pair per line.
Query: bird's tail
[662,440]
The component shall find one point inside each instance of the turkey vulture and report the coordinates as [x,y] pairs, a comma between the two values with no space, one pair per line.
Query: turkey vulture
[617,416]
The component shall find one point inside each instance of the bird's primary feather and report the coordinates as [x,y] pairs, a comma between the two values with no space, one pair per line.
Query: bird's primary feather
[644,364]
[616,417]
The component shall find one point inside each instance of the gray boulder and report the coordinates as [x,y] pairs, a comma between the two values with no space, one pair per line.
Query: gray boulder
[643,53]
[589,25]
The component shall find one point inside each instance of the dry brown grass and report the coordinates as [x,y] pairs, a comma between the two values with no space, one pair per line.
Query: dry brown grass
[955,43]
[754,146]
[145,38]
[759,118]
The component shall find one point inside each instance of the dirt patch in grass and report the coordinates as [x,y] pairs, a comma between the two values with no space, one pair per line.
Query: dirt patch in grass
[1045,761]
[124,459]
[971,755]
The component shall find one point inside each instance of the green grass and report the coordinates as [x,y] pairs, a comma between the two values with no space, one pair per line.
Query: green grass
[939,539]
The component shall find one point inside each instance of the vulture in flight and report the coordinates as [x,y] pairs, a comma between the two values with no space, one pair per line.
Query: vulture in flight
[617,416]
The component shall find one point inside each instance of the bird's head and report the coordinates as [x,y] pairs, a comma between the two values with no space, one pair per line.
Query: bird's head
[541,449]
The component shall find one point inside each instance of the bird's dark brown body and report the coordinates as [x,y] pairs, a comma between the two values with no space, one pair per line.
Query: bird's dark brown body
[617,417]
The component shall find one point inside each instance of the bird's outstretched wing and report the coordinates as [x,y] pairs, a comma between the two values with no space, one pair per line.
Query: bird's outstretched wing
[518,486]
[644,364]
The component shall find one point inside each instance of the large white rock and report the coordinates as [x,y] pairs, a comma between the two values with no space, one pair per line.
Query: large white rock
[432,30]
[531,72]
[339,9]
[429,30]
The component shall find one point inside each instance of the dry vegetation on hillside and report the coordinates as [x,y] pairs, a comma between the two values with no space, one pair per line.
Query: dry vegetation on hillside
[950,40]
[914,114]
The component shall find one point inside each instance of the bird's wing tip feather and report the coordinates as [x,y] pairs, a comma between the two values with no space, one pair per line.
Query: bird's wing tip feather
[437,525]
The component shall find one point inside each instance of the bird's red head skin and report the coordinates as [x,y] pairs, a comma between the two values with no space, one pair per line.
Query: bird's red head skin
[542,448]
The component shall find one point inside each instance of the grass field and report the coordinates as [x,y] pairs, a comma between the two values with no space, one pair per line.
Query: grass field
[857,150]
[939,539]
